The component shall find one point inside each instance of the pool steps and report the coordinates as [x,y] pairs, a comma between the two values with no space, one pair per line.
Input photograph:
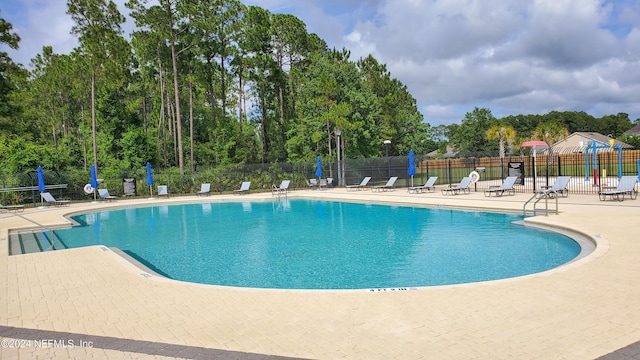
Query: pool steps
[30,242]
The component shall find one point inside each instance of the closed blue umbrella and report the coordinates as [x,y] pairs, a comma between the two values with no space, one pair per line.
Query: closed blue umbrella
[41,187]
[319,168]
[149,178]
[412,165]
[94,177]
[94,180]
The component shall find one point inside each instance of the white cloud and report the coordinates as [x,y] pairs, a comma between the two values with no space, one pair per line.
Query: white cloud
[512,56]
[44,23]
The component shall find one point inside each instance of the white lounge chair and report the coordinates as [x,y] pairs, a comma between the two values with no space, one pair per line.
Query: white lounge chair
[244,188]
[16,208]
[205,189]
[163,190]
[428,186]
[626,186]
[282,189]
[104,195]
[507,186]
[558,188]
[51,200]
[312,183]
[388,186]
[360,186]
[462,187]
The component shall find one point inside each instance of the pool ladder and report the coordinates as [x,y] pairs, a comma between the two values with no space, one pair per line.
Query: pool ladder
[535,203]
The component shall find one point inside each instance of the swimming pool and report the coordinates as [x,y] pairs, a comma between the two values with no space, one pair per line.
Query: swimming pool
[311,244]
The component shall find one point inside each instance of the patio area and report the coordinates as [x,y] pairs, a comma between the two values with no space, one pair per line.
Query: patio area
[109,307]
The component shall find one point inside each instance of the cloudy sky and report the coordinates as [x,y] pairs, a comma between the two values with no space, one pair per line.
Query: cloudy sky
[511,56]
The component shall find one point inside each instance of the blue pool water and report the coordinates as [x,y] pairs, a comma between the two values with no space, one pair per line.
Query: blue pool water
[310,244]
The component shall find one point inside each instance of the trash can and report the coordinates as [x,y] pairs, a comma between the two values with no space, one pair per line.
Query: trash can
[129,186]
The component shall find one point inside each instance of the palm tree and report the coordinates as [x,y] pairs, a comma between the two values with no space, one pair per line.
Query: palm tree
[517,146]
[501,133]
[550,132]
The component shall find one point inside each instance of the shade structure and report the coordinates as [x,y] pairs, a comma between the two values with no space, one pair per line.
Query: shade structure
[411,169]
[319,167]
[534,144]
[149,178]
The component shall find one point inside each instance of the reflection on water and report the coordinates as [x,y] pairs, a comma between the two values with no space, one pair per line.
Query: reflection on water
[311,244]
[206,208]
[164,211]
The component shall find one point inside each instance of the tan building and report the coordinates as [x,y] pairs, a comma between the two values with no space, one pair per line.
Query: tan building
[579,141]
[635,131]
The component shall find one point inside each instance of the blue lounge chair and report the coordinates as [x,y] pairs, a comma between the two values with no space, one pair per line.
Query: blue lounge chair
[205,189]
[360,186]
[507,186]
[559,188]
[388,186]
[428,186]
[462,187]
[51,200]
[244,188]
[163,190]
[282,189]
[104,195]
[626,186]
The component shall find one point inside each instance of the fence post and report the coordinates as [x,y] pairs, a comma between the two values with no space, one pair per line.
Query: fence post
[475,183]
[559,165]
[426,163]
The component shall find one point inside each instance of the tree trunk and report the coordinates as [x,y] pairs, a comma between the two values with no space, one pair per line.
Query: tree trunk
[177,96]
[162,135]
[172,129]
[240,101]
[93,120]
[222,87]
[192,164]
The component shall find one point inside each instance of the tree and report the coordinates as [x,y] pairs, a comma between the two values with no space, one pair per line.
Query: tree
[166,20]
[470,135]
[502,133]
[398,116]
[614,125]
[550,132]
[262,70]
[97,22]
[290,47]
[7,66]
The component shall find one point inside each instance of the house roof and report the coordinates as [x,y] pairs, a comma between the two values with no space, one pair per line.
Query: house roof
[451,152]
[578,142]
[633,131]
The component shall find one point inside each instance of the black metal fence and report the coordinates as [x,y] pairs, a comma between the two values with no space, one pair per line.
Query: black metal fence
[588,175]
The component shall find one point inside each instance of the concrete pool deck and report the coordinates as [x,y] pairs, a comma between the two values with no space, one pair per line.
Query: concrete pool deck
[93,303]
